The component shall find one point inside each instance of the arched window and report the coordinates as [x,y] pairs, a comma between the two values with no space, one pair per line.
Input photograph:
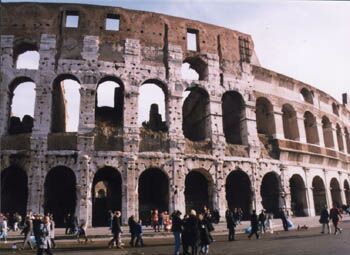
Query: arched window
[232,113]
[307,96]
[22,104]
[335,109]
[311,128]
[327,132]
[340,138]
[65,104]
[265,119]
[290,122]
[194,68]
[26,56]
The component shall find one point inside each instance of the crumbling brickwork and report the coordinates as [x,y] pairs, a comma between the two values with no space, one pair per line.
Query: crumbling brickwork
[243,123]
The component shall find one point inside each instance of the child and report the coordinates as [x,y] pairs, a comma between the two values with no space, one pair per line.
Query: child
[138,233]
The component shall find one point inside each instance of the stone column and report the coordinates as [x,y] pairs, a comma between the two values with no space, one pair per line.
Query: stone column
[87,108]
[177,189]
[256,184]
[320,132]
[176,137]
[309,193]
[335,138]
[278,115]
[341,186]
[219,196]
[216,127]
[328,190]
[301,127]
[130,200]
[249,130]
[285,189]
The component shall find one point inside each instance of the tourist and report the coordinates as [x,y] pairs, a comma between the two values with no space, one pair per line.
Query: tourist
[208,217]
[110,219]
[166,220]
[176,228]
[254,223]
[190,234]
[155,220]
[44,240]
[335,216]
[27,232]
[204,234]
[324,220]
[67,222]
[3,228]
[231,224]
[132,229]
[81,233]
[262,220]
[269,222]
[138,233]
[284,219]
[52,231]
[36,227]
[160,221]
[240,215]
[116,231]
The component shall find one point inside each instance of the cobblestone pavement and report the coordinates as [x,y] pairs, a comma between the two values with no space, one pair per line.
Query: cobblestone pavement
[309,242]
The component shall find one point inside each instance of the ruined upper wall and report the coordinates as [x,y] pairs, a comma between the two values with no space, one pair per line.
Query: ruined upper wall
[155,31]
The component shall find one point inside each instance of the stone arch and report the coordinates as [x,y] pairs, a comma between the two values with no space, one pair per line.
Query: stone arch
[196,115]
[26,49]
[60,193]
[198,65]
[59,103]
[290,122]
[198,190]
[347,192]
[265,119]
[339,137]
[307,95]
[153,192]
[239,192]
[270,192]
[106,195]
[232,113]
[327,132]
[335,192]
[319,194]
[311,132]
[21,109]
[298,195]
[14,190]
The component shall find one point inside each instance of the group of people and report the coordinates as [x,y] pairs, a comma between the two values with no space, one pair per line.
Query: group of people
[334,214]
[160,221]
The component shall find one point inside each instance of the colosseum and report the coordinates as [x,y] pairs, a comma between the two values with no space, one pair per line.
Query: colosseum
[244,136]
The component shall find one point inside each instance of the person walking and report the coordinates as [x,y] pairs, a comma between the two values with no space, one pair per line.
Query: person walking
[254,225]
[190,234]
[176,228]
[27,232]
[132,230]
[81,233]
[155,220]
[116,231]
[3,228]
[284,219]
[335,216]
[269,223]
[324,220]
[138,233]
[262,220]
[204,234]
[67,220]
[52,231]
[231,224]
[44,240]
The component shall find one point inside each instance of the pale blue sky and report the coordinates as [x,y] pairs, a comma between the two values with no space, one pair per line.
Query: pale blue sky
[307,40]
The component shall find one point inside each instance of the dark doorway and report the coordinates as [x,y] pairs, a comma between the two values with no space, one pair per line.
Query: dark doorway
[153,193]
[197,191]
[60,193]
[335,192]
[298,195]
[347,192]
[271,193]
[319,194]
[14,190]
[238,192]
[106,195]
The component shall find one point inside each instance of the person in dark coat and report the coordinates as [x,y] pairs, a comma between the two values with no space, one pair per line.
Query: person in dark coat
[284,219]
[27,231]
[254,225]
[262,220]
[116,230]
[176,228]
[139,233]
[324,219]
[190,234]
[36,227]
[204,235]
[231,224]
[44,240]
[132,229]
[335,216]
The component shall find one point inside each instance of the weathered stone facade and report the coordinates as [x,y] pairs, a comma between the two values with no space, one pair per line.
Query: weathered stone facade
[268,127]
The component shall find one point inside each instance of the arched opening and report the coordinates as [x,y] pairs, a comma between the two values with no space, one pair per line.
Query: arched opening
[232,113]
[22,104]
[198,191]
[306,96]
[14,190]
[153,193]
[347,192]
[340,138]
[311,128]
[239,192]
[347,140]
[336,192]
[271,193]
[319,194]
[152,106]
[265,119]
[335,109]
[60,193]
[26,56]
[194,68]
[106,195]
[196,114]
[65,104]
[298,196]
[327,132]
[290,122]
